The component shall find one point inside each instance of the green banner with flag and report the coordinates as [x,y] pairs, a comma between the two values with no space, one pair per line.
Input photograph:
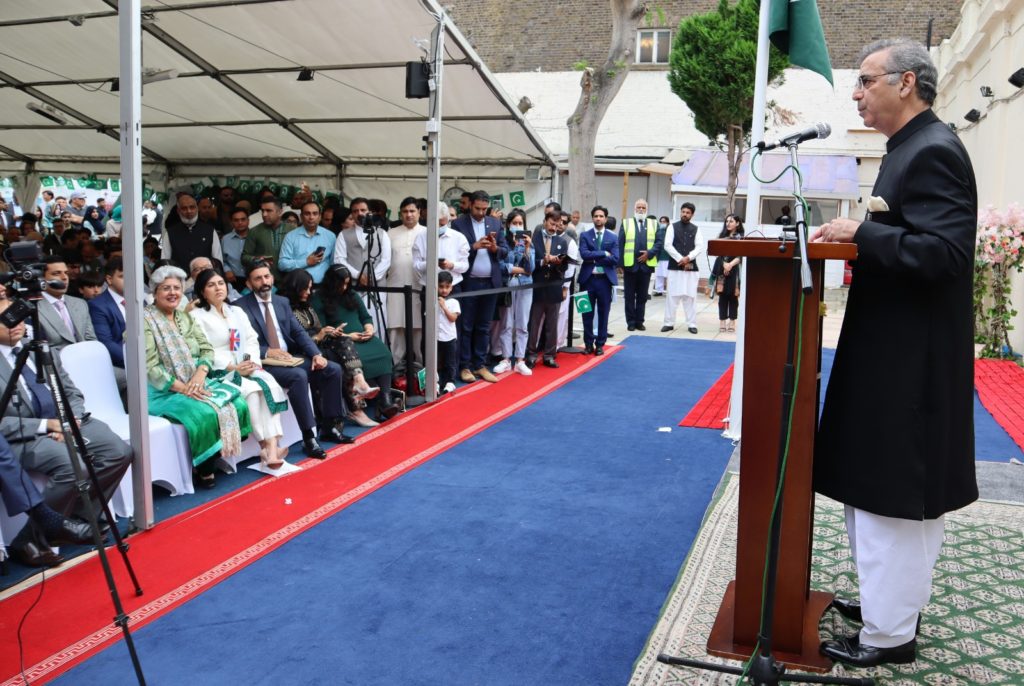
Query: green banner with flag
[794,27]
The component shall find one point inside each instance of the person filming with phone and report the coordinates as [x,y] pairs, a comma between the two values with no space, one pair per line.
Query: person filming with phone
[307,246]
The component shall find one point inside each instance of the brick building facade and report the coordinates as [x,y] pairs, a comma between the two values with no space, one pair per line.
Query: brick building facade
[531,35]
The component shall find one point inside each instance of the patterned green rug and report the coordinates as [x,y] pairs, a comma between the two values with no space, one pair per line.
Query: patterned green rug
[972,631]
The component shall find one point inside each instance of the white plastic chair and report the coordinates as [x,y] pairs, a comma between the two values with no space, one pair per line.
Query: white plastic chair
[89,366]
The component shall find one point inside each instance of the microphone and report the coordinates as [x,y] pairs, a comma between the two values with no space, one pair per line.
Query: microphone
[819,130]
[57,285]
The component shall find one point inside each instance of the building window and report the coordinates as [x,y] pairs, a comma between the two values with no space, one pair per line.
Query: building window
[652,46]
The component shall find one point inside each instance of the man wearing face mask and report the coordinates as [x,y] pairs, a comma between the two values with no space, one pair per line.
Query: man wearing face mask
[452,251]
[186,236]
[639,245]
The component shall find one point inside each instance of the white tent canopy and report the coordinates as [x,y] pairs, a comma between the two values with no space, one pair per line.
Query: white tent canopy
[236,103]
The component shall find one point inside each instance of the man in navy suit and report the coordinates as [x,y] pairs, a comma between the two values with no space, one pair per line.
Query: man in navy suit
[282,337]
[45,527]
[487,250]
[599,251]
[106,311]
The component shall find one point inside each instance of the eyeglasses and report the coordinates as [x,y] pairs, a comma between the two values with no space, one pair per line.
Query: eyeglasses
[865,81]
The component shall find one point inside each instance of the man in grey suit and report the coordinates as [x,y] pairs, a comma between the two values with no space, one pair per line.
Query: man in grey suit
[30,425]
[64,319]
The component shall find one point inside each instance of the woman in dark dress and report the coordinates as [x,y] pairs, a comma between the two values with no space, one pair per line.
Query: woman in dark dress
[297,286]
[347,314]
[727,277]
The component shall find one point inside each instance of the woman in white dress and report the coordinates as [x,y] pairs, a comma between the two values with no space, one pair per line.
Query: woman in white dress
[236,356]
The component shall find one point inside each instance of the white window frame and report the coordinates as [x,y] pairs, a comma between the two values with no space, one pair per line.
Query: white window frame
[657,35]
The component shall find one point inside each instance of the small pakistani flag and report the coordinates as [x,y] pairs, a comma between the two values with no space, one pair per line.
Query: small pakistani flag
[517,198]
[582,302]
[421,378]
[794,27]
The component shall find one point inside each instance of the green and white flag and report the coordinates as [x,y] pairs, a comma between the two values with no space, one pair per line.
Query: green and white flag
[794,27]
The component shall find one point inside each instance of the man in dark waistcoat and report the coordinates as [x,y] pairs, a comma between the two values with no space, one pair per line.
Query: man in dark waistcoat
[187,236]
[896,439]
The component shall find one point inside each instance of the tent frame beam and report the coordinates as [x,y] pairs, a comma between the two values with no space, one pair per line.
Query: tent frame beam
[147,12]
[255,122]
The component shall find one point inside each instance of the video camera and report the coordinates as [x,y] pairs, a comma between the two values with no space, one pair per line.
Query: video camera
[24,281]
[372,222]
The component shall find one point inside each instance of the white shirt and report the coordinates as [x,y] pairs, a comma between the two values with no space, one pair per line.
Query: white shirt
[452,246]
[383,260]
[448,330]
[482,263]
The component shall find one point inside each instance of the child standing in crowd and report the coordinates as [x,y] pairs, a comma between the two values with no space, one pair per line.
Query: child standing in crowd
[448,311]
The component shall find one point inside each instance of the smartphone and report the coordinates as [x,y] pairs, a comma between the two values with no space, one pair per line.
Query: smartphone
[246,357]
[320,251]
[519,236]
[440,262]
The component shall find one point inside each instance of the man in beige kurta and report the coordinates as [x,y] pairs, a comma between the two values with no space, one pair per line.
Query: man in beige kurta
[401,274]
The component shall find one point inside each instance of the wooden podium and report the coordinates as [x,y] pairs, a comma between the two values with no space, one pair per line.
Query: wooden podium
[767,289]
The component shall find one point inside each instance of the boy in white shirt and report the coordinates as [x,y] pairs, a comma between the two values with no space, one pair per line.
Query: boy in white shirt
[448,311]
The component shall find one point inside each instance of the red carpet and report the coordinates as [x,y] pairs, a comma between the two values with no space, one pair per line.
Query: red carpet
[1000,386]
[196,549]
[713,407]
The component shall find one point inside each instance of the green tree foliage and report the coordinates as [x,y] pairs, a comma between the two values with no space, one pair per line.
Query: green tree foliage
[711,68]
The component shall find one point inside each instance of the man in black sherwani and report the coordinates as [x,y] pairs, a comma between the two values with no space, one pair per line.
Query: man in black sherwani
[896,439]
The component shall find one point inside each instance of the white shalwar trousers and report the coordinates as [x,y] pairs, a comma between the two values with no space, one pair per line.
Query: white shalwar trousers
[894,559]
[682,288]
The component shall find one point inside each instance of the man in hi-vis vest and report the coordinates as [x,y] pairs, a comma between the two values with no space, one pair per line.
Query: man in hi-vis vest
[684,245]
[639,245]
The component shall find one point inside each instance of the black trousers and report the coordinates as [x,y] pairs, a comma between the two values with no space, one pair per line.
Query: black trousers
[543,314]
[326,383]
[635,286]
[447,361]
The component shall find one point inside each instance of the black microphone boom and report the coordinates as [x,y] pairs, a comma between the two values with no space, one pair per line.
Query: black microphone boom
[819,130]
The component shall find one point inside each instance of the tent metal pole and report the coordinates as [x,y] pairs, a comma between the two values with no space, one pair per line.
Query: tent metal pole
[130,96]
[433,201]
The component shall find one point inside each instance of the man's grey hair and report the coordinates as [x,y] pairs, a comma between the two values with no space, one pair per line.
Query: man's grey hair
[162,274]
[906,55]
[199,260]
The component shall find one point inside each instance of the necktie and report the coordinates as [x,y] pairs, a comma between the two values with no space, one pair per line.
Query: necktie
[547,244]
[600,238]
[42,401]
[268,318]
[62,310]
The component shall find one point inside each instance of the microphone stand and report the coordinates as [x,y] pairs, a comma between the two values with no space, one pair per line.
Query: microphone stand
[763,669]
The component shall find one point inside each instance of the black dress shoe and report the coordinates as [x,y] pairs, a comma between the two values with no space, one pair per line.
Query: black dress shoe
[849,651]
[641,327]
[72,532]
[851,610]
[550,362]
[531,361]
[631,328]
[666,329]
[599,351]
[588,350]
[335,435]
[31,554]
[313,449]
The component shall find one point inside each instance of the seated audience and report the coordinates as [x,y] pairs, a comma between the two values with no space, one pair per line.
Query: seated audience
[298,289]
[107,313]
[179,359]
[236,359]
[35,434]
[45,527]
[282,339]
[344,311]
[64,319]
[87,286]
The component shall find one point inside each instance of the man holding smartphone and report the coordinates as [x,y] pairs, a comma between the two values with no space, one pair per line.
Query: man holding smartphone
[307,246]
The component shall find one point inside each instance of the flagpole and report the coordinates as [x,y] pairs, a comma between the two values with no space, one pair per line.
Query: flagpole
[752,221]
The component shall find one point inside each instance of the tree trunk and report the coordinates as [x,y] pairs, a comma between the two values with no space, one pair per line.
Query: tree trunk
[734,156]
[598,89]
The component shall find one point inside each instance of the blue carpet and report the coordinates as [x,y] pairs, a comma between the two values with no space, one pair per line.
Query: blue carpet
[991,442]
[537,552]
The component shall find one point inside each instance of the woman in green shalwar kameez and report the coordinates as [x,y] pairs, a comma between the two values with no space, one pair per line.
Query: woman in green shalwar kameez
[178,359]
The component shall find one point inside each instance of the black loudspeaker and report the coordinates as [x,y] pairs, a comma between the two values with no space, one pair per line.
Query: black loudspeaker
[417,78]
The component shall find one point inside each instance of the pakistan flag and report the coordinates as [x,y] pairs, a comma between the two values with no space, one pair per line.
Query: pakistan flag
[794,27]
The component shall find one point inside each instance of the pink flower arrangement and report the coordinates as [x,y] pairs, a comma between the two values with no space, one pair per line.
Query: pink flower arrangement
[1000,237]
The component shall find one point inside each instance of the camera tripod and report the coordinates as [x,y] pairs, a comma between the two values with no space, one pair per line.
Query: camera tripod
[375,304]
[46,372]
